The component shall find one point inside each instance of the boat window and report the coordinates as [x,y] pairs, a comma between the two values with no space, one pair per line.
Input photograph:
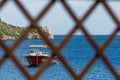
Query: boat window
[44,52]
[31,51]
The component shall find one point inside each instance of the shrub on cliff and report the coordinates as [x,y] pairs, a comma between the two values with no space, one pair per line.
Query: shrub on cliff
[8,31]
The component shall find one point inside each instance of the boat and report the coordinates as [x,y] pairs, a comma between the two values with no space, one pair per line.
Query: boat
[38,46]
[36,57]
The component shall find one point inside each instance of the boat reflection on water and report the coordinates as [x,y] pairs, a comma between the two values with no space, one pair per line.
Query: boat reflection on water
[36,57]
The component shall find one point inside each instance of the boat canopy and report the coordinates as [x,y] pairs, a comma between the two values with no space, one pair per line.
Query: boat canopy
[38,46]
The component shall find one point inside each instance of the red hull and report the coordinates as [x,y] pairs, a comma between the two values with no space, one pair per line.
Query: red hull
[37,60]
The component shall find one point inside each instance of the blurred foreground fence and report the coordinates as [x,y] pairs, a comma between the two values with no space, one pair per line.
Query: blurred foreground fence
[56,50]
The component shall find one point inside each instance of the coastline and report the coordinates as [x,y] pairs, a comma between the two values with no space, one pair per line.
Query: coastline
[11,32]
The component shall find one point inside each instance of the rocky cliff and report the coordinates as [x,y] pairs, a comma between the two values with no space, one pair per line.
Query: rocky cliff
[8,31]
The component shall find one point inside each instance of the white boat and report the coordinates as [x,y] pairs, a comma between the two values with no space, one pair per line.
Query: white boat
[38,46]
[36,57]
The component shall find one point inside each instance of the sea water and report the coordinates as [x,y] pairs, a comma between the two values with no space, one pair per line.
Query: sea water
[77,52]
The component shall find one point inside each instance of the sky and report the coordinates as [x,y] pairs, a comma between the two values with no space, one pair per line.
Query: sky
[58,20]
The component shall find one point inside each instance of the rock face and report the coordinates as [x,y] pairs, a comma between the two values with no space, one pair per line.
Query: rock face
[10,32]
[34,34]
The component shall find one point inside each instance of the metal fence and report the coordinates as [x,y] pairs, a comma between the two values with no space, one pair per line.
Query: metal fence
[56,50]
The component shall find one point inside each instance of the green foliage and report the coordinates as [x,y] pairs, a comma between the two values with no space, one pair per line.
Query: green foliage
[9,30]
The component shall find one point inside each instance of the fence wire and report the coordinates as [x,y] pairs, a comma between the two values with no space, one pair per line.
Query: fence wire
[56,50]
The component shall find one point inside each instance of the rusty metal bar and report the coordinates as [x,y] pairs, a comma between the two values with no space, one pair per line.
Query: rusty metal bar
[111,13]
[88,66]
[20,66]
[56,50]
[45,10]
[15,60]
[2,3]
[109,40]
[20,39]
[109,65]
[3,59]
[89,11]
[23,10]
[42,68]
[67,38]
[69,10]
[45,38]
[89,38]
[64,62]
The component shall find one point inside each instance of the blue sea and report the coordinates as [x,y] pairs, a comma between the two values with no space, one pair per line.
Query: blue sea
[77,53]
